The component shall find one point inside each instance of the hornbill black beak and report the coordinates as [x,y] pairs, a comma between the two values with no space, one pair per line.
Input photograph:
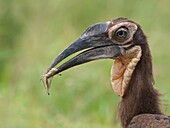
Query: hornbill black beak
[99,46]
[95,42]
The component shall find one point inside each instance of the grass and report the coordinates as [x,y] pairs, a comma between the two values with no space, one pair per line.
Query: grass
[82,96]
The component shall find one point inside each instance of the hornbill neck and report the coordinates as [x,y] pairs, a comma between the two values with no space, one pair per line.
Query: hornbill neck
[140,96]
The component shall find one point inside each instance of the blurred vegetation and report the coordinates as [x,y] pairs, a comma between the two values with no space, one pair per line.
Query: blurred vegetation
[33,32]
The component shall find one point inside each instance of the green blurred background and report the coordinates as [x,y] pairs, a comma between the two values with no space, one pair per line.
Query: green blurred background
[33,32]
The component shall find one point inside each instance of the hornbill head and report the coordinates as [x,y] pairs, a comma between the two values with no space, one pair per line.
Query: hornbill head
[116,39]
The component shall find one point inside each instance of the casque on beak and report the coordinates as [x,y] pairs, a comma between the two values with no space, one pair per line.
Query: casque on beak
[95,42]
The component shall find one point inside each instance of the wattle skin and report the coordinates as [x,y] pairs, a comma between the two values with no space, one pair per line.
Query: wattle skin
[123,68]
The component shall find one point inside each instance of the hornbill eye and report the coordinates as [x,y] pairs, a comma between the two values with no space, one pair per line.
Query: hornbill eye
[121,33]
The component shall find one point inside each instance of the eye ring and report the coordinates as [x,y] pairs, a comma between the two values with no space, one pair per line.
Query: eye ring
[121,33]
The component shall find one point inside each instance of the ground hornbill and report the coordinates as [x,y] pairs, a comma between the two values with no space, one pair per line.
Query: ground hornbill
[131,75]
